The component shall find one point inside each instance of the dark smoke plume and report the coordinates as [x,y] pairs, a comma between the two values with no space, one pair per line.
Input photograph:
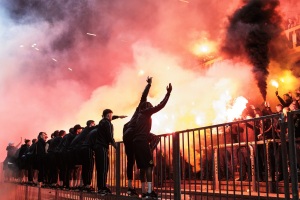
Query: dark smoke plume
[251,29]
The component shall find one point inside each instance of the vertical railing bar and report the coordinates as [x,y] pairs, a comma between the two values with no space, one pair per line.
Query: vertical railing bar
[176,166]
[118,169]
[195,164]
[292,156]
[183,164]
[189,161]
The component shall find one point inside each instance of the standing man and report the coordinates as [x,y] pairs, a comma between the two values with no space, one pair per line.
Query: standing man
[104,137]
[40,156]
[128,133]
[144,157]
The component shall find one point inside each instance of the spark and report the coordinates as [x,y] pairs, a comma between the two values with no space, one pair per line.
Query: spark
[21,45]
[33,45]
[37,49]
[92,34]
[54,59]
[70,69]
[184,1]
[141,72]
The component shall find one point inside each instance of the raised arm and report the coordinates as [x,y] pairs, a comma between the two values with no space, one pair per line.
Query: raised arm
[281,100]
[146,90]
[161,105]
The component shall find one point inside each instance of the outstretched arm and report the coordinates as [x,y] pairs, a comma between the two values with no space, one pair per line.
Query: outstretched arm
[118,116]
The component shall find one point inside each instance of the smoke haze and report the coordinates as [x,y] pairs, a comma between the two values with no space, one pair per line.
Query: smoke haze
[63,62]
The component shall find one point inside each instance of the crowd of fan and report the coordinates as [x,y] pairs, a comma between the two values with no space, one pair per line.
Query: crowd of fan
[64,161]
[251,132]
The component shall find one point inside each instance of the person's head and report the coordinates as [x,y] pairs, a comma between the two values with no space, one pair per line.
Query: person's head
[11,144]
[257,112]
[55,134]
[43,135]
[34,140]
[107,113]
[146,105]
[71,130]
[90,123]
[77,129]
[27,142]
[279,108]
[62,133]
[294,105]
[286,97]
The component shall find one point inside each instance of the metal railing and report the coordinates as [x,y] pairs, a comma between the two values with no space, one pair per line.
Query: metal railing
[224,161]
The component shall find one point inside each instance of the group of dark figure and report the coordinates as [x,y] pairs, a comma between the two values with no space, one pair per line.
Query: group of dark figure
[261,135]
[60,160]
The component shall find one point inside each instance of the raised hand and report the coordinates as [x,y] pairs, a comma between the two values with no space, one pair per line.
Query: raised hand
[149,80]
[169,88]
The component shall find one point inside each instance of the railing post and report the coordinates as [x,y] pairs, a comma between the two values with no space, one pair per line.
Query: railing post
[252,161]
[292,156]
[26,192]
[216,169]
[118,169]
[284,158]
[176,166]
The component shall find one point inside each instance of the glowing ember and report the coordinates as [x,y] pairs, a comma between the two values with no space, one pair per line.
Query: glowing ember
[184,1]
[92,34]
[37,49]
[70,69]
[54,59]
[21,45]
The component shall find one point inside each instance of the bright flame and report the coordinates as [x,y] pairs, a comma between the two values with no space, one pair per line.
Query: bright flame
[274,83]
[201,48]
[200,119]
[229,111]
[236,110]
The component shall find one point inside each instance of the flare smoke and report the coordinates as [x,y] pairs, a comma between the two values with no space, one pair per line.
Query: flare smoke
[251,29]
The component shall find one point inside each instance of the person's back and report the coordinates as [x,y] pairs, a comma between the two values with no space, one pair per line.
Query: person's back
[144,157]
[144,120]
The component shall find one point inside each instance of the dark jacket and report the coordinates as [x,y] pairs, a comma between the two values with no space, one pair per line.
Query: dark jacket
[40,147]
[90,139]
[65,142]
[54,144]
[23,150]
[80,138]
[129,127]
[144,121]
[105,133]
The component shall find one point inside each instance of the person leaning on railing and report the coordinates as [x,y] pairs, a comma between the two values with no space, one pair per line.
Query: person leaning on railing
[144,157]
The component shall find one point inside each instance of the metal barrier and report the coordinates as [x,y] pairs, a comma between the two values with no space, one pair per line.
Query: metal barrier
[249,159]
